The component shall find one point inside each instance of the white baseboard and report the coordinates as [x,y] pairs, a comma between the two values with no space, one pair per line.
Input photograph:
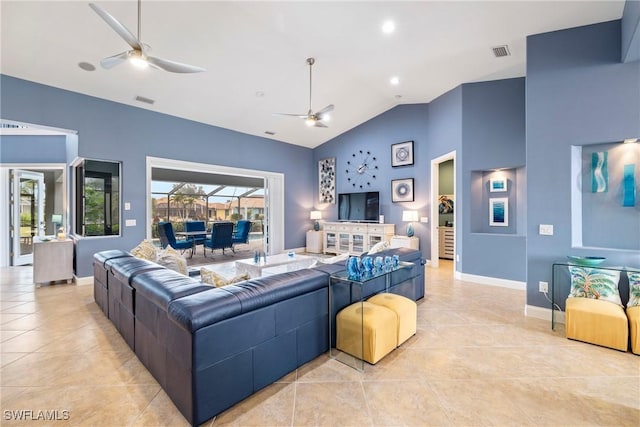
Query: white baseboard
[491,281]
[543,313]
[83,281]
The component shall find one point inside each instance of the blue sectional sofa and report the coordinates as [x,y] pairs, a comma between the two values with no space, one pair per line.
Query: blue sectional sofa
[209,348]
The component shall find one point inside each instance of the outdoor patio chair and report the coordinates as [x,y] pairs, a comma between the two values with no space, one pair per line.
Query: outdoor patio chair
[221,237]
[241,234]
[168,238]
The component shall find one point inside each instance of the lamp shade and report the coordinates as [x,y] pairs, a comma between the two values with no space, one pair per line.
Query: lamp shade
[409,216]
[315,215]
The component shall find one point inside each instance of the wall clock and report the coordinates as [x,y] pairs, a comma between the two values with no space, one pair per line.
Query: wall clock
[361,169]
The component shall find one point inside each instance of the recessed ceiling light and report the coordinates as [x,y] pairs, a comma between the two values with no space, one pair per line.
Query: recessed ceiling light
[394,80]
[388,27]
[86,66]
[260,94]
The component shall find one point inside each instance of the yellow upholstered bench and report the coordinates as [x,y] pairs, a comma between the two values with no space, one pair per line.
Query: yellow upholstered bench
[633,314]
[406,310]
[597,322]
[375,331]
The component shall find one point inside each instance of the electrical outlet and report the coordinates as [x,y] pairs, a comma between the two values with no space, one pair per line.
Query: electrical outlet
[543,287]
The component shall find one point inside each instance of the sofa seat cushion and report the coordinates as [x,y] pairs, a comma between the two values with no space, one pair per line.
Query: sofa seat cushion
[597,322]
[104,256]
[205,308]
[263,291]
[633,314]
[124,269]
[163,286]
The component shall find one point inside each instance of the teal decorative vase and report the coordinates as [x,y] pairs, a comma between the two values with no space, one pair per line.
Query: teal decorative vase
[409,230]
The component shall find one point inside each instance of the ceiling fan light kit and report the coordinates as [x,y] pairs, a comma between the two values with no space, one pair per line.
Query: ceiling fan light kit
[312,119]
[138,54]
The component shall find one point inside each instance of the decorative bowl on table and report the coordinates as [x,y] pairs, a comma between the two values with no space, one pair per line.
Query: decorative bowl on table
[589,261]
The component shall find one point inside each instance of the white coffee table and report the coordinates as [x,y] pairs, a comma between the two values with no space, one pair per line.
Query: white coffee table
[275,264]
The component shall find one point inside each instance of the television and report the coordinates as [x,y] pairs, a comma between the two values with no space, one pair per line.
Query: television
[359,207]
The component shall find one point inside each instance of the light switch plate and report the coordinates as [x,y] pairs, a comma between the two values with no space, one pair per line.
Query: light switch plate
[130,223]
[546,230]
[424,219]
[127,206]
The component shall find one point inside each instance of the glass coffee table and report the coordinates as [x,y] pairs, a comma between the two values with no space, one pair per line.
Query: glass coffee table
[274,264]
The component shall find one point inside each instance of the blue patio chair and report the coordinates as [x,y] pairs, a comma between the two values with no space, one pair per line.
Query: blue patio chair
[221,237]
[168,238]
[241,234]
[194,226]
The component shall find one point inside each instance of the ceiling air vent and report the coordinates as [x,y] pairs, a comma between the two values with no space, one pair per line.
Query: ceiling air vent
[268,132]
[145,100]
[500,51]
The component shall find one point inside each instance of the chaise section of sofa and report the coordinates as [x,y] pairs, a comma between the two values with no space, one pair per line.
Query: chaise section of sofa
[227,343]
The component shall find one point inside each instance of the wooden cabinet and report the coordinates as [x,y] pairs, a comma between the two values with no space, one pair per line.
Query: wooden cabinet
[52,260]
[446,242]
[353,237]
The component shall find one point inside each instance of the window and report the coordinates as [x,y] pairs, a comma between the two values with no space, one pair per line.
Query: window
[97,198]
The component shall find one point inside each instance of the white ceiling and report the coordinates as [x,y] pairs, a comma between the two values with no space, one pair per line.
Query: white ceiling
[250,47]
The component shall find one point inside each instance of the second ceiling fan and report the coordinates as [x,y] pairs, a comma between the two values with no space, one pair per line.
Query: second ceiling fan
[312,119]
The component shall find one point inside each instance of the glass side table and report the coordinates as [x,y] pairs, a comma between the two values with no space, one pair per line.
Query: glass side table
[554,275]
[365,287]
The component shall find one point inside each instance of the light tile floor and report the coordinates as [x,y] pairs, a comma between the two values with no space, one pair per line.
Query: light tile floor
[475,360]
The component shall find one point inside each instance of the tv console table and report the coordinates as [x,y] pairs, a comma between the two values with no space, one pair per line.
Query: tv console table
[354,237]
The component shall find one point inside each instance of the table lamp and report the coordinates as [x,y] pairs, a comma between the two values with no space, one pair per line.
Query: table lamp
[410,217]
[316,215]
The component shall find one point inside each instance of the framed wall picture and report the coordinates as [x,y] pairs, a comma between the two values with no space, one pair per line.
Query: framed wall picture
[402,190]
[402,154]
[499,212]
[497,184]
[327,180]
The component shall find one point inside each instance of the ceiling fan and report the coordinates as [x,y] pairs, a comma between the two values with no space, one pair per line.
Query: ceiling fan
[312,119]
[138,54]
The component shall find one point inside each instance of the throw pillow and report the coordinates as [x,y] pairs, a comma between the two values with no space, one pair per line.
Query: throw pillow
[172,259]
[634,288]
[210,277]
[145,250]
[378,247]
[595,283]
[338,258]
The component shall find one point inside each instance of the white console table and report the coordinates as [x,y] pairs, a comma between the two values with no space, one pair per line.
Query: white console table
[52,260]
[354,237]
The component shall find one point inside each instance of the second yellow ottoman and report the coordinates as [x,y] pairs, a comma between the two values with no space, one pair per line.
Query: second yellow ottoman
[596,322]
[633,313]
[368,327]
[405,309]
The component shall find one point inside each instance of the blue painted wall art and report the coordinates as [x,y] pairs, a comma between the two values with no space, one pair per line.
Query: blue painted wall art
[599,173]
[629,186]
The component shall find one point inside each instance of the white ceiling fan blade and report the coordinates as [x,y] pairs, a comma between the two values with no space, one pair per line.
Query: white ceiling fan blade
[172,66]
[300,116]
[118,27]
[325,110]
[319,124]
[114,60]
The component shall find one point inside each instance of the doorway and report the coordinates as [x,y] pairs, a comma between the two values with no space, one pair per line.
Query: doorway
[443,210]
[37,196]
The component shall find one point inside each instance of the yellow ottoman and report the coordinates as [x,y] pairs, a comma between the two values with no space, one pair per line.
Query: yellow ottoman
[406,310]
[597,322]
[376,331]
[633,313]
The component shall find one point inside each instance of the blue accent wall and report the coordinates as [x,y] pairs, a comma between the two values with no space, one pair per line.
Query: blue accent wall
[493,133]
[402,123]
[33,149]
[578,93]
[631,31]
[113,131]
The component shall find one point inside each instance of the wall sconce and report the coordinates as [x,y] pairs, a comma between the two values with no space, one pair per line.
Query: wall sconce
[316,215]
[410,217]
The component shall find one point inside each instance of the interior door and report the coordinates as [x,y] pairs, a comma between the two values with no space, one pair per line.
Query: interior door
[27,199]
